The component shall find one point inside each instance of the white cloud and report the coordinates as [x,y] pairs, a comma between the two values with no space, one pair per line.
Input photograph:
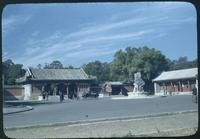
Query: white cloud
[160,14]
[106,27]
[11,22]
[93,52]
[86,42]
[56,44]
[112,37]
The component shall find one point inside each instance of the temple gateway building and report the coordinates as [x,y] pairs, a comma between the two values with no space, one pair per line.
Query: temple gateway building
[70,81]
[177,81]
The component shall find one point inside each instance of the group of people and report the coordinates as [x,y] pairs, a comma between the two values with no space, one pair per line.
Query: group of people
[45,93]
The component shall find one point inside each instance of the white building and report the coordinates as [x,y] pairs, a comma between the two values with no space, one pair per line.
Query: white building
[177,81]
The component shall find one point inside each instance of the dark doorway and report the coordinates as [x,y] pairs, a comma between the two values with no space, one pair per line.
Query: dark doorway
[62,88]
[72,90]
[116,90]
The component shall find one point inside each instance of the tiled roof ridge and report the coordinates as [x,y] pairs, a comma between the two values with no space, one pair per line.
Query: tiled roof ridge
[180,70]
[177,74]
[81,69]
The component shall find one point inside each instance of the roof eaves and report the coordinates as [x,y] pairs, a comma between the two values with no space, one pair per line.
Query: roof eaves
[59,79]
[81,69]
[160,80]
[21,80]
[30,72]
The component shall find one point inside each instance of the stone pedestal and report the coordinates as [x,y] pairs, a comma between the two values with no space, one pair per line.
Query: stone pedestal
[134,93]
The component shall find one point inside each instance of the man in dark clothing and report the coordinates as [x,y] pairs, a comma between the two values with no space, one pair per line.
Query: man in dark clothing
[61,96]
[194,94]
[47,95]
[194,91]
[43,92]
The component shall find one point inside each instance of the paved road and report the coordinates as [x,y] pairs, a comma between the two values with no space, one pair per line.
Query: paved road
[183,124]
[102,108]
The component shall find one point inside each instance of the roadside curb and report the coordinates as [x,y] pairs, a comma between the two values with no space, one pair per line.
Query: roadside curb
[101,120]
[171,132]
[26,108]
[34,103]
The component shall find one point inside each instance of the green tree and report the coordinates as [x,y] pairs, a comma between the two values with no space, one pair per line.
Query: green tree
[118,65]
[151,64]
[98,69]
[54,65]
[148,61]
[39,66]
[70,67]
[12,71]
[183,63]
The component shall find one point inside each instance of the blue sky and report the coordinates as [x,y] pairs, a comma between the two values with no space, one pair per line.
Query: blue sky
[76,34]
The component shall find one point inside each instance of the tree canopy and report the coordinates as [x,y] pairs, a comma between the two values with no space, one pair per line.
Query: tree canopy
[148,61]
[54,65]
[98,69]
[12,71]
[183,63]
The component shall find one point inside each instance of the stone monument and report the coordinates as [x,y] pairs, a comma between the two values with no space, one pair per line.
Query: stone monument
[138,84]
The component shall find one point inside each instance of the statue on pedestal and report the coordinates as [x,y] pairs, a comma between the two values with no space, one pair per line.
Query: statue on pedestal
[138,83]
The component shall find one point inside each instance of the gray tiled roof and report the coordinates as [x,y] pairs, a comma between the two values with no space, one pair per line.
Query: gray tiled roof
[177,74]
[12,86]
[21,79]
[55,74]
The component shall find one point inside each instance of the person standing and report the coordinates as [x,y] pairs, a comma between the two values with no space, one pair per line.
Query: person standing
[43,92]
[55,91]
[194,94]
[61,96]
[46,95]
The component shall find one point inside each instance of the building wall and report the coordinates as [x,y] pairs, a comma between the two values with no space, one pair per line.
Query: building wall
[24,92]
[36,89]
[13,92]
[108,88]
[27,91]
[127,88]
[116,89]
[166,87]
[81,88]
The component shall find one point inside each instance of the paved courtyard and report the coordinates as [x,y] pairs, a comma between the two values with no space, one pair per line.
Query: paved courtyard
[98,109]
